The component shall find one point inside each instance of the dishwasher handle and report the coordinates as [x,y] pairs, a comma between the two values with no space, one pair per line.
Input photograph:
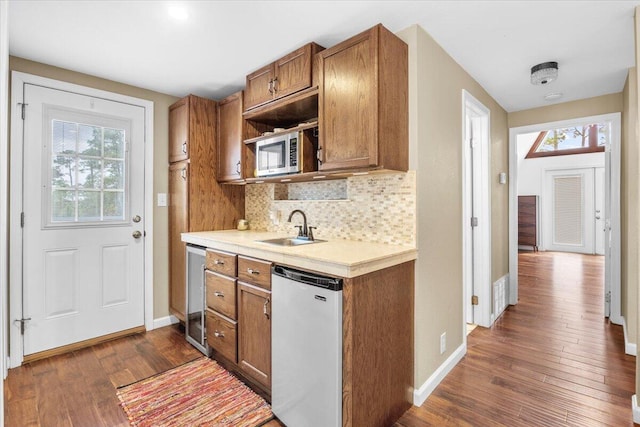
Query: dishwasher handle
[313,279]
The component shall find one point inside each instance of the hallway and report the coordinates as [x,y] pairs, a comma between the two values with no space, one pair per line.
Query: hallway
[551,360]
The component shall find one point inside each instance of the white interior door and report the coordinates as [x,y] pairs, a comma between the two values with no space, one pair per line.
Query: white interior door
[569,210]
[600,211]
[477,213]
[83,202]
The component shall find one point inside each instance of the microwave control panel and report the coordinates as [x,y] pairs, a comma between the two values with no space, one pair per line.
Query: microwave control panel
[293,151]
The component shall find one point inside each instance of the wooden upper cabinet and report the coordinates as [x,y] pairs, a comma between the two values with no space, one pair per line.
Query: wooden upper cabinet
[230,138]
[179,131]
[289,74]
[259,88]
[363,103]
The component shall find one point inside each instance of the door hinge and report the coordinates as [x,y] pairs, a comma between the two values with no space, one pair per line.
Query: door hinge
[23,106]
[21,219]
[474,221]
[607,297]
[23,323]
[474,300]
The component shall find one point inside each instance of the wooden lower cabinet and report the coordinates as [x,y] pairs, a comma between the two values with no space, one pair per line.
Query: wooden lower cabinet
[377,348]
[221,335]
[254,332]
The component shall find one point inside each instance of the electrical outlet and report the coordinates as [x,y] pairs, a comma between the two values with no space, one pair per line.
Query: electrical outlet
[443,342]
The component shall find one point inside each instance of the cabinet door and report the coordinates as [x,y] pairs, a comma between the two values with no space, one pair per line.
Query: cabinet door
[293,72]
[259,87]
[179,223]
[179,131]
[230,138]
[254,332]
[348,103]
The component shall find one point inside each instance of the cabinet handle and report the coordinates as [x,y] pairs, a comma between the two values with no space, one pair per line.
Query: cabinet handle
[270,86]
[184,147]
[219,294]
[218,262]
[183,173]
[319,155]
[218,334]
[275,85]
[238,167]
[264,308]
[252,271]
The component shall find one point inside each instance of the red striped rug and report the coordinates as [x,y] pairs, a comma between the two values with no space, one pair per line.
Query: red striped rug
[198,393]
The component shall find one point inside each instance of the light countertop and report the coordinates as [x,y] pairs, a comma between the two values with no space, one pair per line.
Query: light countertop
[344,258]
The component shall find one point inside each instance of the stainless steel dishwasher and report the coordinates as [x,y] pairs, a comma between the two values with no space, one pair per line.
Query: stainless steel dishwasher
[306,358]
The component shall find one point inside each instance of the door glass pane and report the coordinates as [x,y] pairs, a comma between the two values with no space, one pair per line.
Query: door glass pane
[114,143]
[89,173]
[64,137]
[90,140]
[113,205]
[63,173]
[63,206]
[88,179]
[89,206]
[114,174]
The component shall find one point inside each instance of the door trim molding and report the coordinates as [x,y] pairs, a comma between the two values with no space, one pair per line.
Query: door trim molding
[615,314]
[18,80]
[482,312]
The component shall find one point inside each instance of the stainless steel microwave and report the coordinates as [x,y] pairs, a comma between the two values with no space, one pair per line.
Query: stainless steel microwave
[286,153]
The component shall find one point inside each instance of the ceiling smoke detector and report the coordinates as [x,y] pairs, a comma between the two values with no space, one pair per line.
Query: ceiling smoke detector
[544,73]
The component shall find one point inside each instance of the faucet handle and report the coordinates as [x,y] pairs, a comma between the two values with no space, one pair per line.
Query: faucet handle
[299,230]
[311,232]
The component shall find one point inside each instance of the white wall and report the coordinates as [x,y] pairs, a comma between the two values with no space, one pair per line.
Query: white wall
[531,171]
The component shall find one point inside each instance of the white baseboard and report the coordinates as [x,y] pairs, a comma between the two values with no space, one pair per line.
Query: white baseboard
[629,347]
[635,409]
[421,394]
[164,321]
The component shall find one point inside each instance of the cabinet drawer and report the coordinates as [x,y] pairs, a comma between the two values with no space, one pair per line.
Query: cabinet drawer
[221,262]
[254,271]
[222,336]
[221,294]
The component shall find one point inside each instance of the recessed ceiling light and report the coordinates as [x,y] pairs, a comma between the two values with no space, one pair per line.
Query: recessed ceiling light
[178,12]
[553,96]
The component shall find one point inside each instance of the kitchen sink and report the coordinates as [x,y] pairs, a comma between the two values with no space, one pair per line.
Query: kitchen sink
[290,241]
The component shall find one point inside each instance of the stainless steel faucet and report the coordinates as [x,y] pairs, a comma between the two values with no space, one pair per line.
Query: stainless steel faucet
[304,232]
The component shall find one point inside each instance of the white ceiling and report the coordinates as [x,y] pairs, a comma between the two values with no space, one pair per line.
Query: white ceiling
[211,52]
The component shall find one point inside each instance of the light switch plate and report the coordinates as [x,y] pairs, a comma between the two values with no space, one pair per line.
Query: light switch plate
[162,199]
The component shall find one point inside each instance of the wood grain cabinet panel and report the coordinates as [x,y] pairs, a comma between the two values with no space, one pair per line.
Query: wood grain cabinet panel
[254,334]
[363,103]
[255,271]
[289,74]
[179,215]
[221,262]
[222,335]
[179,131]
[528,221]
[231,165]
[197,202]
[221,294]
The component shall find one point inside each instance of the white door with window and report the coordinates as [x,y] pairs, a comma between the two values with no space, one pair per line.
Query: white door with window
[574,210]
[83,204]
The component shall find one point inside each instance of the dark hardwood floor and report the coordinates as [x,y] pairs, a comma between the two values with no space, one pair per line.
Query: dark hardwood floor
[552,360]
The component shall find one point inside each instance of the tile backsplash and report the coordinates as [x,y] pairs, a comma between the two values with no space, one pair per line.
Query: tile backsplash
[369,208]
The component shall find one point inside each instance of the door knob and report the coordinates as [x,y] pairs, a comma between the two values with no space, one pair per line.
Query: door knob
[136,218]
[136,234]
